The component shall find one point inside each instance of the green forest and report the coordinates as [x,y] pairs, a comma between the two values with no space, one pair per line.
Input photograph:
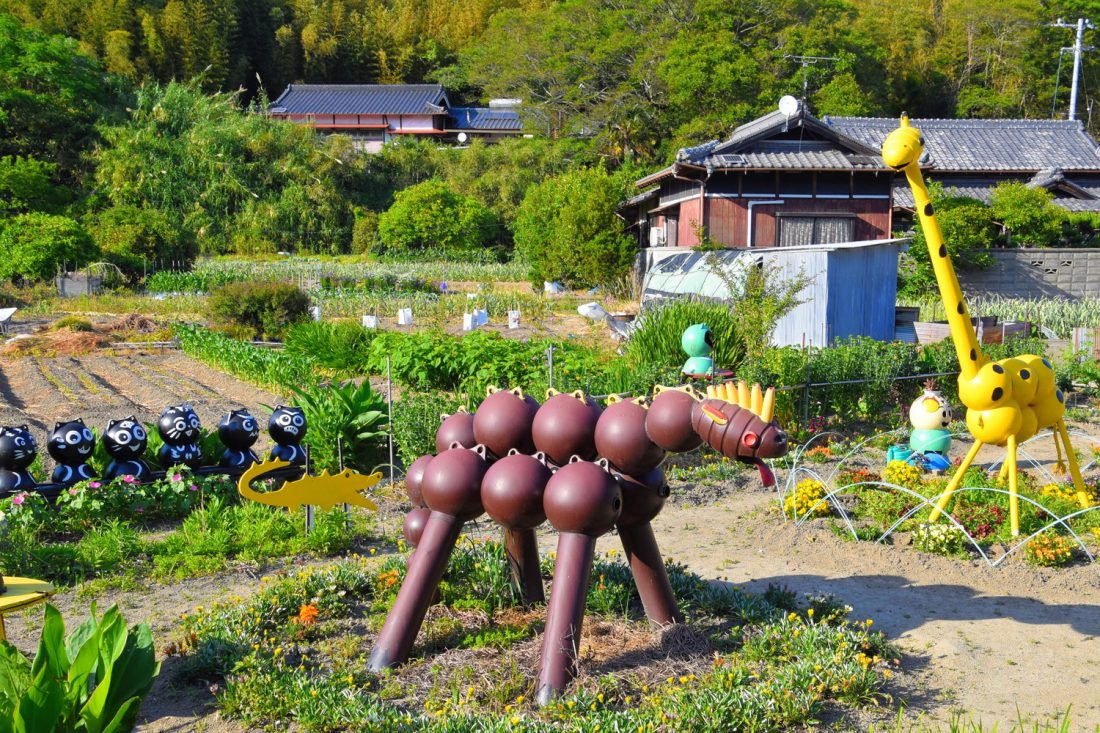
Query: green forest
[127,130]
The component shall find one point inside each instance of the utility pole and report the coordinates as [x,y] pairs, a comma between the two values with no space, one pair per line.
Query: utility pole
[1078,49]
[807,61]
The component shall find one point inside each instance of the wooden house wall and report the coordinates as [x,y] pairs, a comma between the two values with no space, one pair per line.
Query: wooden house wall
[872,218]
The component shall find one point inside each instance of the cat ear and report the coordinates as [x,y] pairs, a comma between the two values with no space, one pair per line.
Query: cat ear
[112,423]
[79,420]
[57,424]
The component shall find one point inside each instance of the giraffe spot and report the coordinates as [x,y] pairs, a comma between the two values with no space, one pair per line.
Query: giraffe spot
[998,369]
[1025,374]
[943,250]
[929,210]
[973,355]
[960,308]
[998,393]
[921,140]
[1047,364]
[1061,397]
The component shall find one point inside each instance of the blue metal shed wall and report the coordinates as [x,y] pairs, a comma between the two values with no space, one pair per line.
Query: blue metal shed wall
[862,292]
[807,322]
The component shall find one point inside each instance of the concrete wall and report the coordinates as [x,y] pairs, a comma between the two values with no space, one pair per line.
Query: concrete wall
[1037,273]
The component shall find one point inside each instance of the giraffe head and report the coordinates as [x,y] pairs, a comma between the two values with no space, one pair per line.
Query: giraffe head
[903,146]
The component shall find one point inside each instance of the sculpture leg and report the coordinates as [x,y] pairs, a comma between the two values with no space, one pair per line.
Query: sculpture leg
[1074,469]
[565,614]
[421,582]
[1059,465]
[650,576]
[1013,497]
[1003,471]
[522,551]
[955,480]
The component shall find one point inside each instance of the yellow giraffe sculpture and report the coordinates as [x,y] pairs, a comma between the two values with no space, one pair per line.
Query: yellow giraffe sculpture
[1007,401]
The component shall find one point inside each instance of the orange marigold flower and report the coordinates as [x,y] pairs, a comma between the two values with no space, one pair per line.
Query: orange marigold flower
[307,614]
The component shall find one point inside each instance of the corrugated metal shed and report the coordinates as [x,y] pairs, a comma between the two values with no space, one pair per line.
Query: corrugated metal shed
[852,289]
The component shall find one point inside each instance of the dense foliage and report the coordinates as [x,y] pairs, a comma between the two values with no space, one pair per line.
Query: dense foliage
[430,216]
[264,310]
[37,246]
[568,230]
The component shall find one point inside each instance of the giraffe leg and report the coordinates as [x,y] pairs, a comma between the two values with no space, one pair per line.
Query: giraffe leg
[1060,465]
[1013,497]
[1003,471]
[1074,469]
[955,480]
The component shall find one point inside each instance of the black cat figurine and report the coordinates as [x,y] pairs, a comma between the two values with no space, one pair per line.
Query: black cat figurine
[179,428]
[287,427]
[238,431]
[71,445]
[125,441]
[17,451]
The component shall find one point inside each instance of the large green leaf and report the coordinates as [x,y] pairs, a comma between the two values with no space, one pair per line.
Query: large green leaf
[40,710]
[15,678]
[51,647]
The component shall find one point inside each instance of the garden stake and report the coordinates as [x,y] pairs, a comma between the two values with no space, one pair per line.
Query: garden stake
[1007,401]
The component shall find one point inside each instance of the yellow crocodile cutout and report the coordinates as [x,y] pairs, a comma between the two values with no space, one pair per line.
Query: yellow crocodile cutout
[325,491]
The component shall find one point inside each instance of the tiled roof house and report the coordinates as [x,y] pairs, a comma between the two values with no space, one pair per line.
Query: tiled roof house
[373,114]
[786,180]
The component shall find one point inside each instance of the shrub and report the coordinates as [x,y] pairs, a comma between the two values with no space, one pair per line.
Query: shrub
[364,232]
[807,500]
[429,215]
[1049,549]
[93,679]
[1028,212]
[266,309]
[37,246]
[939,539]
[133,237]
[567,229]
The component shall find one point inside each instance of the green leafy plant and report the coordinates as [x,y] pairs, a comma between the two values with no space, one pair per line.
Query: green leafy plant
[656,339]
[349,418]
[91,681]
[341,346]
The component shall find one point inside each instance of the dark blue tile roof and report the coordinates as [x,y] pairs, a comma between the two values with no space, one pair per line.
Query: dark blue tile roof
[483,118]
[987,145]
[361,99]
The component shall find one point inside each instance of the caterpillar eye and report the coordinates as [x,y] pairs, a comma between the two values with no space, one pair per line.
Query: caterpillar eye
[750,440]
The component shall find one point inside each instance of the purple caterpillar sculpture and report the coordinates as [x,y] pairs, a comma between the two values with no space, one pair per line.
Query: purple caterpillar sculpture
[523,463]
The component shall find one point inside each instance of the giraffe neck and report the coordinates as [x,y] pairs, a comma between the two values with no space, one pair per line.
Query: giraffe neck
[966,342]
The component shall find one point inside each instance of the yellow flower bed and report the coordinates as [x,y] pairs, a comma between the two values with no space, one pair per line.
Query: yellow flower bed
[806,500]
[1067,492]
[902,474]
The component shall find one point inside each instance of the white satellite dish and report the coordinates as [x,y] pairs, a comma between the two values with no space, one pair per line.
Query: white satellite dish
[788,105]
[462,137]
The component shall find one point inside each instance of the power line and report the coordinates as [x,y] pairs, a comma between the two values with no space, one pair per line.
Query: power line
[806,61]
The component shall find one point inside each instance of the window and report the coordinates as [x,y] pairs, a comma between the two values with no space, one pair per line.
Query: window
[796,229]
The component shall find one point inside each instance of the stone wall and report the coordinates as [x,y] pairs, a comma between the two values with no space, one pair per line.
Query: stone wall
[1037,273]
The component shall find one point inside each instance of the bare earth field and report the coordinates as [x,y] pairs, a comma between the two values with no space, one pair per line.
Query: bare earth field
[985,641]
